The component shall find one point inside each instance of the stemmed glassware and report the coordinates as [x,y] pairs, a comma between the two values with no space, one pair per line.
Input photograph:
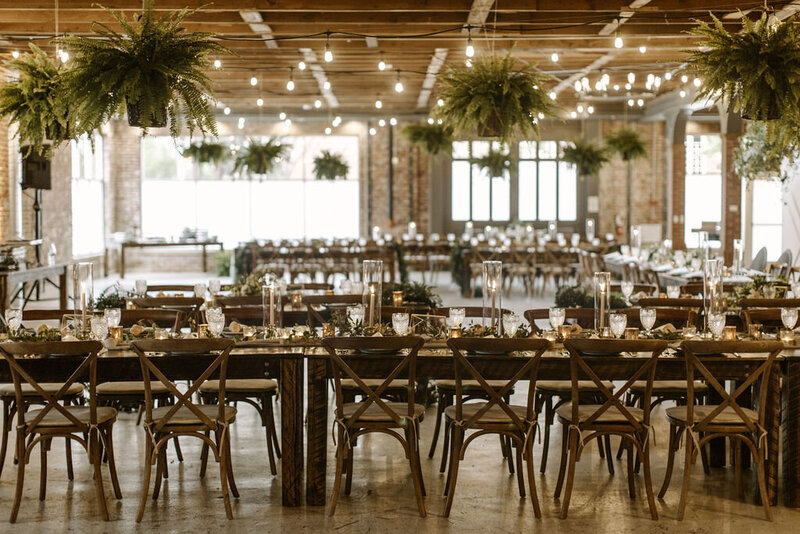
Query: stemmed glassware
[400,323]
[627,289]
[557,317]
[618,322]
[141,287]
[355,314]
[511,323]
[215,286]
[457,316]
[216,323]
[716,324]
[789,317]
[99,327]
[200,291]
[113,316]
[13,319]
[647,316]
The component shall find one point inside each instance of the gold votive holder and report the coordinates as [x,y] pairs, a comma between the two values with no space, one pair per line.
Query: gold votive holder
[550,335]
[202,330]
[297,300]
[754,330]
[328,330]
[161,333]
[564,331]
[689,332]
[115,332]
[786,336]
[605,332]
[397,298]
[329,291]
[248,332]
[631,333]
[455,331]
[729,333]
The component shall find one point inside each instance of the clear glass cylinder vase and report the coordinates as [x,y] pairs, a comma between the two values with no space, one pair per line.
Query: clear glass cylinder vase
[83,294]
[602,299]
[738,249]
[271,294]
[713,297]
[372,278]
[590,230]
[493,295]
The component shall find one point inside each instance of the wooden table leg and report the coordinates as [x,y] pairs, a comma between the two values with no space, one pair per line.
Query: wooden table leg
[3,294]
[122,261]
[62,289]
[772,422]
[317,432]
[292,431]
[791,432]
[205,259]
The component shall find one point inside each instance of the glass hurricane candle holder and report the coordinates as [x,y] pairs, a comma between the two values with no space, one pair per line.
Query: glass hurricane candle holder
[492,295]
[271,304]
[712,288]
[602,299]
[590,230]
[372,278]
[738,249]
[83,293]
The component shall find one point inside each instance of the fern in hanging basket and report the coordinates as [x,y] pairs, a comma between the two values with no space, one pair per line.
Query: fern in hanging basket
[587,157]
[153,68]
[39,103]
[260,158]
[495,163]
[758,158]
[494,98]
[433,138]
[756,70]
[329,166]
[627,143]
[214,153]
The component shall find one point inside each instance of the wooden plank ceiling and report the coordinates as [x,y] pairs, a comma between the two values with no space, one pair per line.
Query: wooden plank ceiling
[414,38]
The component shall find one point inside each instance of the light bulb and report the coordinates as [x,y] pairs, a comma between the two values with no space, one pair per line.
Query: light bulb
[554,57]
[590,110]
[630,102]
[553,95]
[398,86]
[381,123]
[696,82]
[393,121]
[578,86]
[317,103]
[631,77]
[326,85]
[573,114]
[337,121]
[642,49]
[684,78]
[580,108]
[470,50]
[282,116]
[616,87]
[628,87]
[378,104]
[668,76]
[328,54]
[241,123]
[430,120]
[64,56]
[540,115]
[301,65]
[381,65]
[440,102]
[373,131]
[15,55]
[618,42]
[290,85]
[640,102]
[227,110]
[439,121]
[328,130]
[683,93]
[253,81]
[260,102]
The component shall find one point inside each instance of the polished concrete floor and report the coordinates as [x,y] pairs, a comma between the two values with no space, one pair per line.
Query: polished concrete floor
[382,498]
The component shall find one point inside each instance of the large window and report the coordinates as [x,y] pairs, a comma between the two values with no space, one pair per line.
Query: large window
[766,217]
[703,195]
[548,187]
[87,197]
[290,203]
[475,195]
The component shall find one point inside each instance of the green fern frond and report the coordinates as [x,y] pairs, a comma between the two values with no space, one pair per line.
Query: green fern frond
[330,166]
[260,158]
[433,138]
[587,157]
[627,143]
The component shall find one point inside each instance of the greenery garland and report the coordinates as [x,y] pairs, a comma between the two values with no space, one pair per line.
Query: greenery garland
[413,293]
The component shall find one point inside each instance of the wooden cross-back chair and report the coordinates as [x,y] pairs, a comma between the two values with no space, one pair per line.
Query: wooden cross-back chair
[185,418]
[522,265]
[680,303]
[170,288]
[584,317]
[769,303]
[374,414]
[583,423]
[495,415]
[728,418]
[769,318]
[90,426]
[188,305]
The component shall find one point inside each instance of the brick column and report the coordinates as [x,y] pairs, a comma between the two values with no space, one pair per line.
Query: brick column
[6,222]
[731,225]
[678,195]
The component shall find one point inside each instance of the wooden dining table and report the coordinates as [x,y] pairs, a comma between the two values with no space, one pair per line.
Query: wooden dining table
[304,469]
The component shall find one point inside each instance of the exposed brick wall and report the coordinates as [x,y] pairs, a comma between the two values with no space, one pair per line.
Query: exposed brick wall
[57,207]
[678,195]
[122,147]
[6,220]
[731,197]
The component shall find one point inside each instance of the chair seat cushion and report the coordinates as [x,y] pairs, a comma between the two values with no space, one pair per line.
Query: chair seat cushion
[470,384]
[7,390]
[131,387]
[185,416]
[54,418]
[495,414]
[565,386]
[728,416]
[244,385]
[668,386]
[612,415]
[375,383]
[374,413]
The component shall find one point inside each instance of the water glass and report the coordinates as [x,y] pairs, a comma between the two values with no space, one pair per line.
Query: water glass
[141,287]
[673,292]
[618,322]
[770,292]
[796,290]
[511,323]
[13,318]
[355,314]
[716,324]
[215,286]
[557,317]
[113,316]
[161,333]
[200,291]
[457,316]
[356,288]
[400,323]
[627,288]
[789,317]
[216,324]
[346,286]
[647,316]
[213,313]
[99,327]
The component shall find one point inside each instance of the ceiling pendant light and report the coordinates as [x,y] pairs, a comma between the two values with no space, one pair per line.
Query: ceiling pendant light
[617,39]
[554,57]
[253,81]
[328,54]
[398,86]
[381,63]
[260,102]
[301,65]
[470,50]
[378,104]
[290,83]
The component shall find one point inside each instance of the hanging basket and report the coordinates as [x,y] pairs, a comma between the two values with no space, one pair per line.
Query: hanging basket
[491,128]
[156,120]
[773,113]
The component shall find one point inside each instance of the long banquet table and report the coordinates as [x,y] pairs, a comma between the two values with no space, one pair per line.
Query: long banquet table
[286,363]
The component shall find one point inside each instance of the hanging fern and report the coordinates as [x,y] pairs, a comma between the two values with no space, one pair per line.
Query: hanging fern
[433,138]
[260,158]
[494,99]
[39,103]
[495,163]
[330,166]
[214,153]
[627,143]
[757,158]
[153,68]
[587,157]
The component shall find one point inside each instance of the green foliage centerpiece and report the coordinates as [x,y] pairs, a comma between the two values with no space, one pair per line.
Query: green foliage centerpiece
[433,138]
[587,157]
[494,98]
[330,166]
[153,68]
[260,158]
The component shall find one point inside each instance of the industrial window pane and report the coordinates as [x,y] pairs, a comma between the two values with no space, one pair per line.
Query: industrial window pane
[567,192]
[527,190]
[547,190]
[527,149]
[460,149]
[547,149]
[481,191]
[459,191]
[501,198]
[480,148]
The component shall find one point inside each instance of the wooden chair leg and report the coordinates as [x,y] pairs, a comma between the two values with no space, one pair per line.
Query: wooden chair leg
[223,471]
[458,439]
[648,481]
[43,446]
[687,473]
[762,485]
[548,422]
[97,462]
[348,472]
[537,511]
[272,431]
[204,456]
[68,455]
[148,466]
[737,467]
[20,453]
[672,448]
[449,430]
[445,444]
[7,415]
[631,484]
[605,441]
[563,465]
[520,475]
[177,446]
[112,466]
[439,415]
[341,451]
[229,463]
[160,461]
[573,453]
[416,472]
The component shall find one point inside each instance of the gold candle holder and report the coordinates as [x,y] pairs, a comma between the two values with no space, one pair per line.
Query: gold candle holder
[754,330]
[397,298]
[161,333]
[564,331]
[297,300]
[689,332]
[729,333]
[115,332]
[631,333]
[605,333]
[202,330]
[329,291]
[786,336]
[328,330]
[550,335]
[455,331]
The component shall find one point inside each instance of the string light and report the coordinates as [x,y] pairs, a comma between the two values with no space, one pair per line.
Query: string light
[554,57]
[282,116]
[682,93]
[290,83]
[378,104]
[439,121]
[241,123]
[260,102]
[217,63]
[628,87]
[668,76]
[430,120]
[440,102]
[326,85]
[253,81]
[381,123]
[470,50]
[373,131]
[697,82]
[580,108]
[398,86]
[227,110]
[393,121]
[590,110]
[468,63]
[553,95]
[63,55]
[381,63]
[684,78]
[328,54]
[617,39]
[642,49]
[578,86]
[573,114]
[640,103]
[328,130]
[337,121]
[631,77]
[15,55]
[630,102]
[301,65]
[317,103]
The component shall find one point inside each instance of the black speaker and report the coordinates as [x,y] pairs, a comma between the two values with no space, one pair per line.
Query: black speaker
[35,170]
